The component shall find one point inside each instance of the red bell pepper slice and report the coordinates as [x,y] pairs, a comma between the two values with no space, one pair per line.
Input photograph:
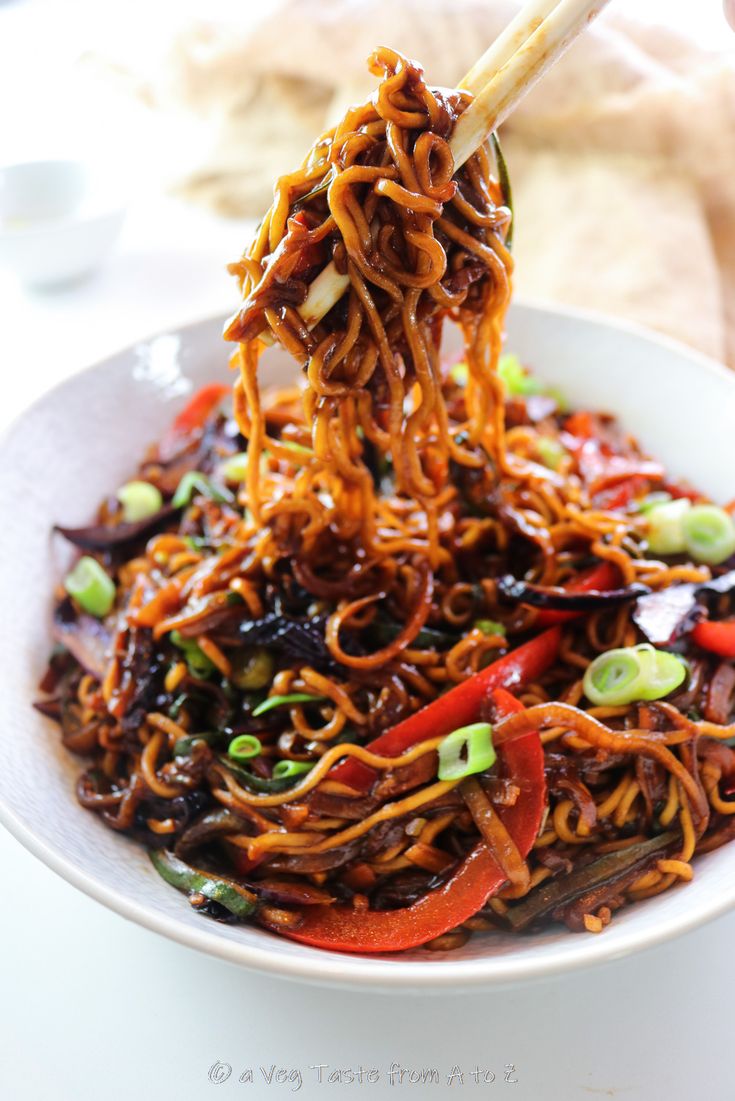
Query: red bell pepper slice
[193,416]
[718,638]
[342,928]
[598,579]
[457,707]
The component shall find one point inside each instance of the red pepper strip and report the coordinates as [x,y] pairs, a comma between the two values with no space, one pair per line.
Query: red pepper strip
[457,707]
[342,928]
[193,416]
[718,638]
[599,579]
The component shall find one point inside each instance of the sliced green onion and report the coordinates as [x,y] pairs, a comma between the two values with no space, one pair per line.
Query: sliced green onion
[460,373]
[551,452]
[282,701]
[184,746]
[652,500]
[518,381]
[197,661]
[244,747]
[665,526]
[252,669]
[139,500]
[91,587]
[235,468]
[466,751]
[489,627]
[299,448]
[287,770]
[621,676]
[196,482]
[709,533]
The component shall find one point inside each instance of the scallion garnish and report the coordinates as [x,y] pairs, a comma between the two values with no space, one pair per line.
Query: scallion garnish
[235,468]
[466,751]
[551,452]
[283,701]
[287,770]
[621,676]
[91,587]
[196,482]
[244,747]
[139,500]
[664,526]
[489,627]
[709,533]
[197,661]
[706,532]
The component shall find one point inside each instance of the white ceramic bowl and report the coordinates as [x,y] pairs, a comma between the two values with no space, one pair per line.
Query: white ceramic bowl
[58,220]
[86,436]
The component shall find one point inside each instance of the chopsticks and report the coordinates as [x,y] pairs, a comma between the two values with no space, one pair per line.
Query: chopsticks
[551,32]
[531,43]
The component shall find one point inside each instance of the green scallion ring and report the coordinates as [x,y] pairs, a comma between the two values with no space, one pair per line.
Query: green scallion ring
[709,534]
[91,587]
[139,500]
[622,676]
[466,751]
[244,747]
[287,770]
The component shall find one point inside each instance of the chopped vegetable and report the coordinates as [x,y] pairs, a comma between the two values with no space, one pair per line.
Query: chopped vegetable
[606,870]
[631,673]
[283,701]
[201,886]
[252,668]
[198,663]
[244,747]
[460,373]
[566,599]
[706,532]
[718,638]
[551,452]
[193,417]
[184,746]
[139,500]
[91,587]
[479,876]
[287,770]
[109,536]
[466,751]
[489,627]
[709,533]
[196,482]
[235,468]
[461,704]
[518,381]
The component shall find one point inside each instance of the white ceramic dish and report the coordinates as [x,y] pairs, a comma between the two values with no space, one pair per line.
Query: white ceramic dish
[86,436]
[58,220]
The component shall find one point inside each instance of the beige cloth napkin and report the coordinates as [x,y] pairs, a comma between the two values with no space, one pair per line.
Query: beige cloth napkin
[622,159]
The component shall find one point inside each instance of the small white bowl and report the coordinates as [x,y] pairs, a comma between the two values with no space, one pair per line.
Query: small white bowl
[58,220]
[86,436]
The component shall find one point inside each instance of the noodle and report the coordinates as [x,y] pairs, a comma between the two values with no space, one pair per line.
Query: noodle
[348,571]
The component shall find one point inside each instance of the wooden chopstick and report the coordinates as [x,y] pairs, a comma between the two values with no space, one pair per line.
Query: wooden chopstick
[531,43]
[507,85]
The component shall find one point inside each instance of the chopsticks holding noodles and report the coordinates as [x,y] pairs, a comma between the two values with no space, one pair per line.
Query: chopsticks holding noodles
[531,43]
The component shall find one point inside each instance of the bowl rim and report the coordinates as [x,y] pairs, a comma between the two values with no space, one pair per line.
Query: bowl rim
[381,971]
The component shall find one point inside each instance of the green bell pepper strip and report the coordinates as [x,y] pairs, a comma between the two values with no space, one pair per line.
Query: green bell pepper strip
[238,900]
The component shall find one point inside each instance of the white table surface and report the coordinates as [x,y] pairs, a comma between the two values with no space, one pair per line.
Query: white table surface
[94,1007]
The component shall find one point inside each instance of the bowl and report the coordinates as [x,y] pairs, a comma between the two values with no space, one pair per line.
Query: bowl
[58,220]
[86,436]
